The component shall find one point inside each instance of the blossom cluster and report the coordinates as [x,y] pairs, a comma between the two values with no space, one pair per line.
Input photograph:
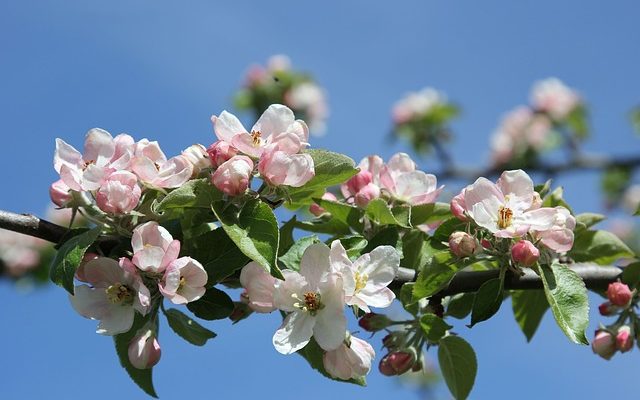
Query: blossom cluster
[273,147]
[314,299]
[277,82]
[525,131]
[116,289]
[510,209]
[619,336]
[416,105]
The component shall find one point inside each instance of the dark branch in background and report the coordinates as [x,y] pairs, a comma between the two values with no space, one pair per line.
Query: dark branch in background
[596,277]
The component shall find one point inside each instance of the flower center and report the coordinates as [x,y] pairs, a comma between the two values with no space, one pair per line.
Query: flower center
[182,282]
[255,137]
[309,303]
[86,164]
[505,215]
[119,294]
[361,281]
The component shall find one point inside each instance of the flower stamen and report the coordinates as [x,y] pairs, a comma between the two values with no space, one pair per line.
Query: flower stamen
[505,215]
[119,294]
[255,137]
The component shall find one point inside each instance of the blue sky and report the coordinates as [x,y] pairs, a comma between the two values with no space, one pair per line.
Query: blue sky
[159,69]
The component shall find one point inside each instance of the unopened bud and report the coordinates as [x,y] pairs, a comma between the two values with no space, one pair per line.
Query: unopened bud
[398,362]
[604,344]
[372,322]
[525,253]
[59,193]
[316,210]
[359,181]
[144,350]
[219,152]
[619,294]
[366,194]
[463,244]
[606,309]
[624,339]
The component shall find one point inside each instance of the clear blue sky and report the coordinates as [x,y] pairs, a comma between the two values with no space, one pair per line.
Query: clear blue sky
[159,69]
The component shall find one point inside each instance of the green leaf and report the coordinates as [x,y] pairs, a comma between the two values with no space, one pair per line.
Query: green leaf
[434,327]
[634,116]
[445,230]
[567,296]
[458,364]
[614,182]
[600,247]
[286,236]
[291,259]
[429,213]
[215,304]
[141,377]
[196,193]
[218,254]
[529,306]
[350,215]
[406,299]
[69,257]
[416,250]
[330,169]
[313,354]
[434,277]
[324,225]
[589,219]
[460,305]
[255,231]
[379,212]
[631,275]
[487,301]
[187,328]
[555,199]
[354,245]
[388,236]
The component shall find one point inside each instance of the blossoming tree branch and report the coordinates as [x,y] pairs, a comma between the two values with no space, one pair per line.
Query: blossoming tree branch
[162,237]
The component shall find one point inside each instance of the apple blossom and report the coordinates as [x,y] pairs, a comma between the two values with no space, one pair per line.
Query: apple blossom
[277,125]
[624,339]
[234,175]
[401,179]
[559,237]
[554,97]
[458,207]
[356,183]
[416,104]
[219,152]
[309,98]
[520,130]
[369,192]
[171,173]
[314,299]
[525,253]
[59,193]
[316,210]
[144,350]
[366,279]
[279,168]
[504,208]
[87,171]
[619,294]
[119,193]
[183,281]
[604,344]
[198,157]
[153,247]
[352,359]
[116,291]
[463,244]
[19,253]
[259,286]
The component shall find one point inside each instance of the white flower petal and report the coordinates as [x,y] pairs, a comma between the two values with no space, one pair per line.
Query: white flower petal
[294,333]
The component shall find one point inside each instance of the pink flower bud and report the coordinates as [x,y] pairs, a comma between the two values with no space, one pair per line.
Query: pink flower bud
[604,344]
[366,194]
[359,181]
[279,168]
[458,207]
[606,309]
[624,340]
[619,294]
[232,177]
[59,192]
[462,244]
[372,322]
[119,194]
[398,362]
[144,350]
[220,152]
[316,210]
[525,253]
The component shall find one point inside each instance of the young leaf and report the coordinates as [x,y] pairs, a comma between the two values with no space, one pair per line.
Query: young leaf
[460,305]
[313,354]
[434,327]
[429,213]
[458,364]
[433,277]
[218,254]
[379,212]
[330,169]
[69,256]
[600,247]
[187,328]
[529,306]
[350,215]
[567,296]
[291,259]
[589,219]
[255,231]
[388,236]
[141,377]
[324,225]
[286,236]
[416,250]
[196,193]
[215,304]
[487,301]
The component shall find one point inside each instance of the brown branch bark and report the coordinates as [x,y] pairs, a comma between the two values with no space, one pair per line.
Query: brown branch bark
[596,277]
